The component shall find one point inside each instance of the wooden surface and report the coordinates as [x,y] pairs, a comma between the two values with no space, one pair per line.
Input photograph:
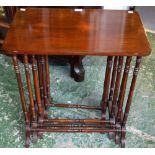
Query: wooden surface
[68,32]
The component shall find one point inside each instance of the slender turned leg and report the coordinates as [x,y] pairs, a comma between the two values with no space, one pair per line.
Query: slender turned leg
[37,92]
[39,66]
[48,79]
[121,98]
[36,86]
[116,90]
[32,106]
[23,101]
[112,91]
[106,87]
[46,101]
[115,94]
[127,108]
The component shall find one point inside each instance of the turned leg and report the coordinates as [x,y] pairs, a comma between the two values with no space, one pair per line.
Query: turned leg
[120,101]
[23,101]
[32,106]
[111,93]
[129,100]
[39,66]
[43,67]
[116,89]
[106,87]
[77,70]
[41,111]
[115,93]
[48,79]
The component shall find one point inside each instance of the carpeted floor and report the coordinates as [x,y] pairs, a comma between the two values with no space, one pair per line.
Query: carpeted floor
[141,123]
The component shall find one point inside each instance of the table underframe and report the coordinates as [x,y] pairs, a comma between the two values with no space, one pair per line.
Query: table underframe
[113,116]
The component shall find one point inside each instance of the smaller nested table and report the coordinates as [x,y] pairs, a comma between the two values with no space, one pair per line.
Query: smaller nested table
[38,32]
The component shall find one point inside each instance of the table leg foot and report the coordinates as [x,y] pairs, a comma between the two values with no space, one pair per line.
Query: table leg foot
[77,69]
[123,135]
[27,137]
[117,138]
[122,143]
[40,135]
[111,135]
[34,134]
[34,137]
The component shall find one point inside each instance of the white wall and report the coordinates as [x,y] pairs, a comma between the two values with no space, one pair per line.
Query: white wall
[116,7]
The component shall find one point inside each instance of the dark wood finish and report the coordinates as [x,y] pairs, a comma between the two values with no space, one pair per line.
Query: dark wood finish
[121,97]
[30,92]
[77,120]
[62,105]
[47,78]
[117,88]
[123,89]
[106,87]
[74,130]
[21,91]
[23,102]
[77,69]
[111,93]
[28,80]
[115,125]
[46,102]
[91,32]
[82,33]
[132,87]
[112,85]
[40,77]
[36,85]
[72,125]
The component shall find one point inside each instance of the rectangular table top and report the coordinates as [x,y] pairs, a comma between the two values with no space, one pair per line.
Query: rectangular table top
[75,32]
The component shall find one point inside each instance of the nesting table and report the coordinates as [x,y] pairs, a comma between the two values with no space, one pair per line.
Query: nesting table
[36,33]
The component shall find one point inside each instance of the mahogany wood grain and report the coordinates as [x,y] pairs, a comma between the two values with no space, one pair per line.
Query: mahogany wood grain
[46,31]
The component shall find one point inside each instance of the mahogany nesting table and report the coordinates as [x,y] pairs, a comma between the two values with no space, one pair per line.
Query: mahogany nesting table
[38,32]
